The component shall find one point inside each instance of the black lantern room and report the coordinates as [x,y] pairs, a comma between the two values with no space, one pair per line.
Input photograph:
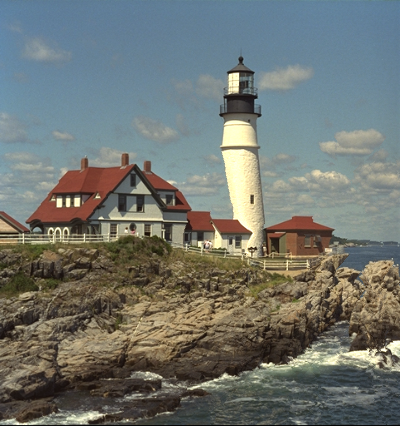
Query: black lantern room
[240,94]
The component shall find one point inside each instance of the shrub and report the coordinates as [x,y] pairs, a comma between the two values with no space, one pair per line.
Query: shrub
[18,284]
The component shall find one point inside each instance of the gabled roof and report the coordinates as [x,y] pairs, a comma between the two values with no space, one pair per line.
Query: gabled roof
[102,181]
[92,180]
[229,226]
[298,223]
[199,221]
[159,184]
[12,222]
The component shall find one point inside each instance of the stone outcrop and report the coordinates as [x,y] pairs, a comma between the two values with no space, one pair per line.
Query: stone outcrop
[376,316]
[165,318]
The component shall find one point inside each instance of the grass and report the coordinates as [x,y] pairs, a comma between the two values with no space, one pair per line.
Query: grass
[126,248]
[18,284]
[274,280]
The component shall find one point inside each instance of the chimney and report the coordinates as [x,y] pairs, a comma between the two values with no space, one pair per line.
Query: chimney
[147,167]
[124,159]
[84,164]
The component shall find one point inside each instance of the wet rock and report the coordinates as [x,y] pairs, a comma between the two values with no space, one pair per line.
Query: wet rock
[35,410]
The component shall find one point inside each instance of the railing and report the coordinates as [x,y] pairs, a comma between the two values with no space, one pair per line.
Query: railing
[235,90]
[56,238]
[283,263]
[286,262]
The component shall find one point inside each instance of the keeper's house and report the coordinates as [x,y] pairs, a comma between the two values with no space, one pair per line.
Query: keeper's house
[107,200]
[300,236]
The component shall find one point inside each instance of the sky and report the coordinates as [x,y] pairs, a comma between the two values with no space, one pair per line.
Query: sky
[97,78]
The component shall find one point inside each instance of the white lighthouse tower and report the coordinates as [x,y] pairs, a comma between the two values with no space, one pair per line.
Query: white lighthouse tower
[240,152]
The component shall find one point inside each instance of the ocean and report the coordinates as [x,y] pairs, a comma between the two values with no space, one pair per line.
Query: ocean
[325,385]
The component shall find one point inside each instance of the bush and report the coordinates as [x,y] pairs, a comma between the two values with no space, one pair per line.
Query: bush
[18,284]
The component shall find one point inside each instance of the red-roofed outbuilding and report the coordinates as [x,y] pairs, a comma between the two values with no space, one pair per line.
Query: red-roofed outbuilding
[300,236]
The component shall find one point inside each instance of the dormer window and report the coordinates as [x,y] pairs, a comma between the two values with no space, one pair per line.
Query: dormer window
[169,200]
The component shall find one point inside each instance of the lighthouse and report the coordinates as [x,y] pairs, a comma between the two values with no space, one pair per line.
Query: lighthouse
[240,152]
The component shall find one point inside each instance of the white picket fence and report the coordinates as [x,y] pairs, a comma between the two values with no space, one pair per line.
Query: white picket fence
[282,262]
[272,262]
[56,238]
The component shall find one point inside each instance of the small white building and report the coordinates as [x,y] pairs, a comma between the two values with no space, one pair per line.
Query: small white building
[231,235]
[112,201]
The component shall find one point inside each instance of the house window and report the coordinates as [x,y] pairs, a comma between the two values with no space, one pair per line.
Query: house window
[113,230]
[187,237]
[238,241]
[168,232]
[230,241]
[147,230]
[53,198]
[140,203]
[200,236]
[64,200]
[122,203]
[133,179]
[307,241]
[251,199]
[169,200]
[59,201]
[97,195]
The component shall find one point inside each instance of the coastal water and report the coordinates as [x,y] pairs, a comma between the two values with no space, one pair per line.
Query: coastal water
[325,385]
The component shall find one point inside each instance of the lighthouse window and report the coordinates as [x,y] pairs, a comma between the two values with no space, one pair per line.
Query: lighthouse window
[251,199]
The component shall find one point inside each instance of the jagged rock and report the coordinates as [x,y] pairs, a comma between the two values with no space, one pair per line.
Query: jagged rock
[172,320]
[35,410]
[376,316]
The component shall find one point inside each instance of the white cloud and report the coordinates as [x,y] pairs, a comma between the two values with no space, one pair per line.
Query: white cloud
[62,136]
[209,87]
[327,181]
[16,27]
[40,50]
[154,130]
[208,184]
[269,174]
[284,78]
[379,176]
[109,157]
[358,142]
[380,155]
[11,129]
[212,159]
[283,158]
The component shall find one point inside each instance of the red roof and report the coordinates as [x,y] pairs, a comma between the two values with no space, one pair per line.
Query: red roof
[160,184]
[92,180]
[12,222]
[99,180]
[299,223]
[276,235]
[199,221]
[229,226]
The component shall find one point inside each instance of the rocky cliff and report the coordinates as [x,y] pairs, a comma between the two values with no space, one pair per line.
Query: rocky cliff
[90,320]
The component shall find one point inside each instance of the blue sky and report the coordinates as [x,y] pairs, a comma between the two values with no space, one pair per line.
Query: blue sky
[99,78]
